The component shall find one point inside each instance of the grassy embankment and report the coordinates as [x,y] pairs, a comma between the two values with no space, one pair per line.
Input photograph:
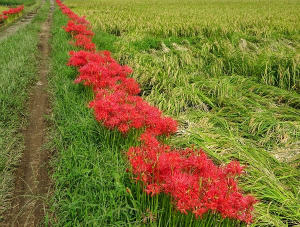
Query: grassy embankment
[231,78]
[89,169]
[29,6]
[2,8]
[92,187]
[18,67]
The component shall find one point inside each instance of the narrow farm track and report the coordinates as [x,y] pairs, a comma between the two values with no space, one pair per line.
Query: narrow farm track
[10,30]
[32,181]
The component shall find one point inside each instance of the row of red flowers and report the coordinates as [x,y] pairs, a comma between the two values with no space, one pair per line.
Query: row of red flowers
[193,181]
[12,11]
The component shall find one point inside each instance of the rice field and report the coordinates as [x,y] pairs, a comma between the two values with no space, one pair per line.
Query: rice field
[2,8]
[228,71]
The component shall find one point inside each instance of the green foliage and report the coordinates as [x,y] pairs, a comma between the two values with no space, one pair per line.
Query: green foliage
[90,174]
[18,68]
[2,8]
[227,70]
[92,186]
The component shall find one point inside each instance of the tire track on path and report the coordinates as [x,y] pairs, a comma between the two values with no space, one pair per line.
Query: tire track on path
[31,179]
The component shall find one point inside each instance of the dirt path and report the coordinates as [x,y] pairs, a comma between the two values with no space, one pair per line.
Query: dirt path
[32,182]
[10,30]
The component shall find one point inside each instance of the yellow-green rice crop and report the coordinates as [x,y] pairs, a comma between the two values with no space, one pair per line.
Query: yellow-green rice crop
[166,18]
[228,70]
[265,34]
[2,8]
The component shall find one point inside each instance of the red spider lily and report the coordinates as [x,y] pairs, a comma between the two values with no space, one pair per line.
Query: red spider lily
[84,42]
[192,180]
[117,109]
[2,18]
[78,29]
[67,11]
[13,10]
[5,14]
[80,58]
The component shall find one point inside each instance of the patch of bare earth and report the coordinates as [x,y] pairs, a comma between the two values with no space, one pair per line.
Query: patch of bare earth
[31,178]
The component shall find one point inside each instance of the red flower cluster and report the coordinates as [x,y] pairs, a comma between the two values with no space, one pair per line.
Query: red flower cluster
[13,10]
[116,103]
[191,179]
[5,14]
[123,111]
[78,27]
[188,176]
[2,18]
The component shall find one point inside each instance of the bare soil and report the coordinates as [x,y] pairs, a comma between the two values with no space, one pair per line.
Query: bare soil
[31,179]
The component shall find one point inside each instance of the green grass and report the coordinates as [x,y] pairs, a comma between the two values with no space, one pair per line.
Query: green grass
[91,185]
[89,172]
[231,78]
[29,6]
[18,70]
[2,8]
